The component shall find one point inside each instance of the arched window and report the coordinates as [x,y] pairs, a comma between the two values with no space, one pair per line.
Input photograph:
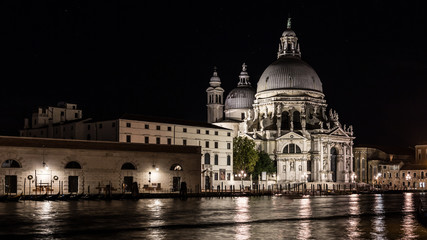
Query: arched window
[216,159]
[73,165]
[10,163]
[176,167]
[285,121]
[128,166]
[292,148]
[297,120]
[207,158]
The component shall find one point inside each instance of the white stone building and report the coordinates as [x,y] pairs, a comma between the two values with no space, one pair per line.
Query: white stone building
[287,117]
[40,165]
[216,142]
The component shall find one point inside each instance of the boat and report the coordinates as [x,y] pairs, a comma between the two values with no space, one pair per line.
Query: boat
[14,198]
[40,197]
[53,197]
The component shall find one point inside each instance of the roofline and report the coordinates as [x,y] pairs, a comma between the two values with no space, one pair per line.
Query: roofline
[94,145]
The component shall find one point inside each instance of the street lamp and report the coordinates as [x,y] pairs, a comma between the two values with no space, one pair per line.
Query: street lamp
[353,177]
[241,175]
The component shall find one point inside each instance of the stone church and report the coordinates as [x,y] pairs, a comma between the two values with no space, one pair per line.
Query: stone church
[287,116]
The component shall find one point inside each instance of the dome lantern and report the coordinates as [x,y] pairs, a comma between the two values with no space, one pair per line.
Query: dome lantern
[289,45]
[244,77]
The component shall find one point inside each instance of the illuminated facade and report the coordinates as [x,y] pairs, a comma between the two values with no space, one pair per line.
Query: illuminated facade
[216,142]
[42,165]
[287,117]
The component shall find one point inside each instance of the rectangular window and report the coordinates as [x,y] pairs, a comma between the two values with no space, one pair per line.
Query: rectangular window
[184,130]
[228,160]
[216,176]
[207,131]
[415,175]
[76,115]
[403,174]
[228,176]
[146,126]
[157,140]
[62,114]
[198,131]
[157,127]
[127,138]
[228,145]
[128,125]
[228,134]
[169,129]
[184,142]
[207,144]
[169,141]
[113,124]
[100,125]
[216,160]
[216,133]
[397,175]
[147,140]
[216,144]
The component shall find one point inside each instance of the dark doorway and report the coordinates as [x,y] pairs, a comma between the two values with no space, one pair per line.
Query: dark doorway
[176,183]
[73,184]
[285,121]
[127,181]
[334,164]
[207,183]
[309,170]
[11,184]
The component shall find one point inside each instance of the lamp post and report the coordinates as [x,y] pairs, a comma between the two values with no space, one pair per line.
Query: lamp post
[241,175]
[353,177]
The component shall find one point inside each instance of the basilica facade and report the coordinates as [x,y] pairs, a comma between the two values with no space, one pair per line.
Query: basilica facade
[287,116]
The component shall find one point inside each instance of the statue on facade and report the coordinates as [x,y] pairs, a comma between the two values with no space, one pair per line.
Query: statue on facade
[324,165]
[321,125]
[279,110]
[262,122]
[350,129]
[291,165]
[328,125]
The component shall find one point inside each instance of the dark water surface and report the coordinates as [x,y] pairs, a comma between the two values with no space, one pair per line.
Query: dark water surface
[327,217]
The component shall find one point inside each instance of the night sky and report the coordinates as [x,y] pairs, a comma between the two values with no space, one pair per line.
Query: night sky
[112,57]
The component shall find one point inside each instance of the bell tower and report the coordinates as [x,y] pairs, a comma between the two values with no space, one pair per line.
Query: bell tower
[215,99]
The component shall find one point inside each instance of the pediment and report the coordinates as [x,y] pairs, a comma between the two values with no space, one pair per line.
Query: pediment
[338,132]
[291,135]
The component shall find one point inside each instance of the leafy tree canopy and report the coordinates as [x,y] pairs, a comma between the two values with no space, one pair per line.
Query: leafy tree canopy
[264,164]
[245,156]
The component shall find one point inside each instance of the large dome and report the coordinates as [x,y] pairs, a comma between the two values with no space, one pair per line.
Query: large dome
[289,72]
[240,97]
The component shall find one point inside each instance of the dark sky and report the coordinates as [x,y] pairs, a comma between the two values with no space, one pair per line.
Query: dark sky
[156,58]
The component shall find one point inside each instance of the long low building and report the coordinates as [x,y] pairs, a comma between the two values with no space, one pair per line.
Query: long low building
[40,165]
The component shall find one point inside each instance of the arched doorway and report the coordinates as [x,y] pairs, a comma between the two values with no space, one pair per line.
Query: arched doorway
[207,183]
[334,154]
[73,176]
[128,176]
[11,181]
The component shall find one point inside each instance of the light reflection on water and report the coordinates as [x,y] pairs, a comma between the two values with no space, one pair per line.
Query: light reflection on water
[304,228]
[379,230]
[408,222]
[354,219]
[242,216]
[329,217]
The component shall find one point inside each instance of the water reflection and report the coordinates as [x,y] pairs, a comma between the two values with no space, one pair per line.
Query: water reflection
[242,216]
[354,219]
[408,221]
[304,228]
[155,208]
[378,223]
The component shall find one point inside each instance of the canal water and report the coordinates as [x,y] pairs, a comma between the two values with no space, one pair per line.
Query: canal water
[373,216]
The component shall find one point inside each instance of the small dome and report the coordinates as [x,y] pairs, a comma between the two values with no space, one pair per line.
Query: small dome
[240,97]
[288,33]
[289,72]
[215,77]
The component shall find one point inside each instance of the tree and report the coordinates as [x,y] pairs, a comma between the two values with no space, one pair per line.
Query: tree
[264,164]
[245,156]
